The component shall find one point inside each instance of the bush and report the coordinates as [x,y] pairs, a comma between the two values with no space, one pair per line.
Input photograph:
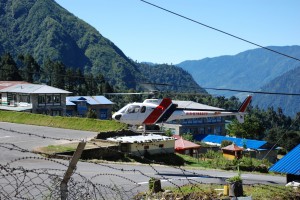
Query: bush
[226,143]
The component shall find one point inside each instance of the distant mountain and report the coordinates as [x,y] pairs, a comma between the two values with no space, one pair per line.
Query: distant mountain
[255,70]
[45,30]
[249,70]
[286,83]
[179,79]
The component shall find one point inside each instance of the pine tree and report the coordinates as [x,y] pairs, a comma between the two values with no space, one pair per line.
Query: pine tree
[8,69]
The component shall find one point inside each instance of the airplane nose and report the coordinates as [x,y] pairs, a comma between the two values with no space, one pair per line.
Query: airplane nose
[117,117]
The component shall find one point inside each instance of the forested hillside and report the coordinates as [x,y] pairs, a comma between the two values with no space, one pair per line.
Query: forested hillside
[46,31]
[255,70]
[286,83]
[172,75]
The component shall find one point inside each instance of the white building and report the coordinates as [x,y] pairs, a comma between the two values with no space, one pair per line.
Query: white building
[152,144]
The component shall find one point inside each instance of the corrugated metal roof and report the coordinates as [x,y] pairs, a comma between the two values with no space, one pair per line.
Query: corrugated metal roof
[289,164]
[140,138]
[34,89]
[92,100]
[233,147]
[69,103]
[5,84]
[217,139]
[181,144]
[102,100]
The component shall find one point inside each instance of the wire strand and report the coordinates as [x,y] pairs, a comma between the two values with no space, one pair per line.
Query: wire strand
[226,33]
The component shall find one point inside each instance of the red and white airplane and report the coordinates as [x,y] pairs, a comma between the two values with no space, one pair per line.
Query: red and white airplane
[153,111]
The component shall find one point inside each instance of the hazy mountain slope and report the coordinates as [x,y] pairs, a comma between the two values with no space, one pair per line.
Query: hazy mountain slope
[286,83]
[248,70]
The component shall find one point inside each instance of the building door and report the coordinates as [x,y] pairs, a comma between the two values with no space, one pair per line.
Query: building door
[103,113]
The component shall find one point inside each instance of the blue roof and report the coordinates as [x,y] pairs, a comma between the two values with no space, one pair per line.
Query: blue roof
[252,144]
[69,103]
[289,164]
[92,100]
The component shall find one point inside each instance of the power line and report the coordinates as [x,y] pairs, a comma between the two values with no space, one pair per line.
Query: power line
[227,89]
[226,33]
[255,92]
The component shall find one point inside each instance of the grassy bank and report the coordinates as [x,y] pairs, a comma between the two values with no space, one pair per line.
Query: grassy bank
[212,191]
[75,123]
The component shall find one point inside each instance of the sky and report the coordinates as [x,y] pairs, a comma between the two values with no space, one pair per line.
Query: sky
[148,34]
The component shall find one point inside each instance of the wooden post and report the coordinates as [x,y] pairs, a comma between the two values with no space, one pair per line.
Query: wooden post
[71,168]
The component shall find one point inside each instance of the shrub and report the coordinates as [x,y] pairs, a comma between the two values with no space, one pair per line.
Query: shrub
[225,143]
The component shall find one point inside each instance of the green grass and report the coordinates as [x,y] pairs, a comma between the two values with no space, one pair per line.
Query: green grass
[75,123]
[215,160]
[51,149]
[207,191]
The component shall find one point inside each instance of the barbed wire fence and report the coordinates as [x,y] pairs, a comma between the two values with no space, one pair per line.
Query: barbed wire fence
[22,178]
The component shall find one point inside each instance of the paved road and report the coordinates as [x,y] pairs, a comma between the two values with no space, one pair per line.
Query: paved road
[131,177]
[19,134]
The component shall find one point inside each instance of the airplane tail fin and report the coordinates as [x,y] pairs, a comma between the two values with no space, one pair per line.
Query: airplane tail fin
[241,116]
[245,104]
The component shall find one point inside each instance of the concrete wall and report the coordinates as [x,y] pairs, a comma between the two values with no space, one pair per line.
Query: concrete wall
[164,146]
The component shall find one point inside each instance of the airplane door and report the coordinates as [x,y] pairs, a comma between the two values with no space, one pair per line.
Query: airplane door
[132,116]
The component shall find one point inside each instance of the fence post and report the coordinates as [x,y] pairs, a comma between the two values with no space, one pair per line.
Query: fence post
[72,165]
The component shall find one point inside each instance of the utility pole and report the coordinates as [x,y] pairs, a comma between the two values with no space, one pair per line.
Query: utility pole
[70,170]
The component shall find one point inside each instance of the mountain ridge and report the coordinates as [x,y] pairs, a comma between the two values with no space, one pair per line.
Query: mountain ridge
[248,70]
[45,30]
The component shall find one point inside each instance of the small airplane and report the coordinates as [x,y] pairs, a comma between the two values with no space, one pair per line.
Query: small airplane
[154,111]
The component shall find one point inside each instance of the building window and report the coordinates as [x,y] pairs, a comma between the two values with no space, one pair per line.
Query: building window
[41,100]
[218,130]
[49,99]
[209,130]
[161,145]
[25,98]
[201,130]
[56,99]
[146,147]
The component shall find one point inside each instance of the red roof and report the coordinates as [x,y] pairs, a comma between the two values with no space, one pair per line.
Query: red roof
[5,84]
[233,147]
[176,136]
[181,144]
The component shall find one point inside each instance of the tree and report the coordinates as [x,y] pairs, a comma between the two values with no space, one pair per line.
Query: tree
[226,143]
[70,80]
[8,69]
[58,75]
[30,68]
[252,128]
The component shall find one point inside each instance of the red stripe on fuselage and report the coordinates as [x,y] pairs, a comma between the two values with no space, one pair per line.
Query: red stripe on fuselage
[158,111]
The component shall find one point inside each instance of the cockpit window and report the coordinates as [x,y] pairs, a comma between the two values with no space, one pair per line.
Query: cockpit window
[143,109]
[133,109]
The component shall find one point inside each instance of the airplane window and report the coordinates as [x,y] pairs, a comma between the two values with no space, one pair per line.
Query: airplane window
[143,109]
[137,109]
[133,109]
